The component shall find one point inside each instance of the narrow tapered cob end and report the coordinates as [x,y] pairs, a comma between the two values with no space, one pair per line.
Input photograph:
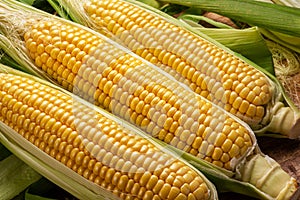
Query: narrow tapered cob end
[267,175]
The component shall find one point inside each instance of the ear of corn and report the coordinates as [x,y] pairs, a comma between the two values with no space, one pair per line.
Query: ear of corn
[133,89]
[94,146]
[195,60]
[190,59]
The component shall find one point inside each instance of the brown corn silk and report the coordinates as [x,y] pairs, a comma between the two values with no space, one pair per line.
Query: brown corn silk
[208,70]
[94,146]
[116,80]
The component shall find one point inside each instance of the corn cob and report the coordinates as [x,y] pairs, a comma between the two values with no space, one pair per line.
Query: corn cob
[207,69]
[99,70]
[93,145]
[110,77]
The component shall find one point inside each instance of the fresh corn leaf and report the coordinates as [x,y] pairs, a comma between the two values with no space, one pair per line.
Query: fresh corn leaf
[289,41]
[291,3]
[152,3]
[29,2]
[286,40]
[29,196]
[15,176]
[59,9]
[270,16]
[7,60]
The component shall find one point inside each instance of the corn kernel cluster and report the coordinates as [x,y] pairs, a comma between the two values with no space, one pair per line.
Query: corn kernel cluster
[112,78]
[205,68]
[93,145]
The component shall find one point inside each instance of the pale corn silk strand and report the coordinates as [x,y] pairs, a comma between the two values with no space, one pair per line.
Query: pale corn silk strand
[93,145]
[208,70]
[111,77]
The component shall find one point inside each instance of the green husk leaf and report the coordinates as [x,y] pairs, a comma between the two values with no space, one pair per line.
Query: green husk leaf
[270,16]
[59,9]
[291,3]
[7,60]
[289,41]
[29,196]
[153,3]
[29,2]
[15,176]
[286,40]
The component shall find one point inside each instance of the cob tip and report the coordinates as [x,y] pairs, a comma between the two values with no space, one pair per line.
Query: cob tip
[284,120]
[265,173]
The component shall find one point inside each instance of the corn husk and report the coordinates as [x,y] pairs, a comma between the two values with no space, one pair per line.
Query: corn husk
[15,175]
[256,13]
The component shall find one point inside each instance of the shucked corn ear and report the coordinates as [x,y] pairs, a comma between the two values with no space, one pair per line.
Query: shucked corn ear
[99,70]
[205,67]
[95,146]
[95,68]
